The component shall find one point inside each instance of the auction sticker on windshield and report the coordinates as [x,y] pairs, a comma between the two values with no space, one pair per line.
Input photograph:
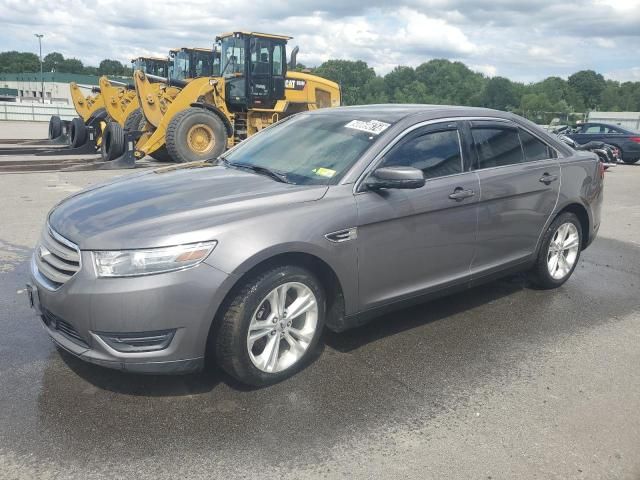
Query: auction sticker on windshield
[370,126]
[324,172]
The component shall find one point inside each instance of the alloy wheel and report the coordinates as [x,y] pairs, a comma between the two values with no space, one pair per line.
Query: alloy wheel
[282,327]
[563,251]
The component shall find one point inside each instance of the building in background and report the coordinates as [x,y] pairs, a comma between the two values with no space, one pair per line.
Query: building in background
[26,87]
[630,120]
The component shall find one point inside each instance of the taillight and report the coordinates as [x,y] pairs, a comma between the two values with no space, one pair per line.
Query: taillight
[601,169]
[635,139]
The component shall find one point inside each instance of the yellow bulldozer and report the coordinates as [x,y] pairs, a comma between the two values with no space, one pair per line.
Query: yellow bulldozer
[123,105]
[120,99]
[201,117]
[110,101]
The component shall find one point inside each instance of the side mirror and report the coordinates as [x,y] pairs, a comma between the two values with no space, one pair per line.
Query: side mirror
[395,177]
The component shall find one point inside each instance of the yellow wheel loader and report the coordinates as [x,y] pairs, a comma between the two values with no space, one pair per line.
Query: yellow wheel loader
[91,111]
[252,91]
[183,65]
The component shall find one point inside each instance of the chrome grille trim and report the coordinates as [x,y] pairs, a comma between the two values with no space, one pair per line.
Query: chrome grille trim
[56,259]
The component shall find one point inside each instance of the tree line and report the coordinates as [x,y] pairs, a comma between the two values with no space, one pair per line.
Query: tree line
[442,81]
[26,62]
[437,81]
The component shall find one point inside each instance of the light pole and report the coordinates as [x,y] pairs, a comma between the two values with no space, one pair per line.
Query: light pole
[39,35]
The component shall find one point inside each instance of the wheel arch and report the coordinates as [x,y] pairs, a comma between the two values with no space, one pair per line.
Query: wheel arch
[324,272]
[583,216]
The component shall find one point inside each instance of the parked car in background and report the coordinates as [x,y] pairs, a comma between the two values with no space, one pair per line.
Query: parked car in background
[327,218]
[627,141]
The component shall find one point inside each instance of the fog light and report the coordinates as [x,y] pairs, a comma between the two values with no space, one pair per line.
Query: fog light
[138,341]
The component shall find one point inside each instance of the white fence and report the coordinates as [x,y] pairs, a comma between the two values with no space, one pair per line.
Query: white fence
[35,112]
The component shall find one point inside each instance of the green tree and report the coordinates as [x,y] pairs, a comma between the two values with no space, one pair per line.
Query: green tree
[589,86]
[450,82]
[70,65]
[51,61]
[351,75]
[112,67]
[397,82]
[19,62]
[500,93]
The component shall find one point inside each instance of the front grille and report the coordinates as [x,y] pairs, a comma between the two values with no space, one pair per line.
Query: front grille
[56,323]
[57,258]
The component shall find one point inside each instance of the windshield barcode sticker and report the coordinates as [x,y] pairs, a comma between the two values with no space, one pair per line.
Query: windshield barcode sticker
[372,126]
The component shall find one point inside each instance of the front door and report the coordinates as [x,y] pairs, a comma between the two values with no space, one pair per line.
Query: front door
[412,241]
[519,182]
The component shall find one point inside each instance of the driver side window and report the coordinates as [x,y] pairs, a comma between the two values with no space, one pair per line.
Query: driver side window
[436,153]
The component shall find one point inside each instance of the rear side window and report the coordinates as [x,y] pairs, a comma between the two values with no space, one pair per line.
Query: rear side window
[497,147]
[437,154]
[534,149]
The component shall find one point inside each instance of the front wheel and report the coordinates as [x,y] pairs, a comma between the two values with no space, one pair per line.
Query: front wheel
[195,134]
[559,252]
[55,127]
[78,132]
[271,326]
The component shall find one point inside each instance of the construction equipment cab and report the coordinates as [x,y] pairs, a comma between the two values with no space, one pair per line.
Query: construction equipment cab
[153,65]
[188,63]
[251,90]
[254,69]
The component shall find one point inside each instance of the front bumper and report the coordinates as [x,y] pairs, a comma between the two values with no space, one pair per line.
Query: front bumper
[184,301]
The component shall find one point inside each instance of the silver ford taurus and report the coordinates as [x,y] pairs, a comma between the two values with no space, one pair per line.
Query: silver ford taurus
[323,220]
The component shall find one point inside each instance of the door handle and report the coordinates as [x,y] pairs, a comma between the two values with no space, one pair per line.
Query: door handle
[547,179]
[460,194]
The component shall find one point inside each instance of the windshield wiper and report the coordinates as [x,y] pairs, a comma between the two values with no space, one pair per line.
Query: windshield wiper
[278,176]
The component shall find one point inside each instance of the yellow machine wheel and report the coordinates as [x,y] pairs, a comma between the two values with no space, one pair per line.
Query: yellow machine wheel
[195,134]
[200,139]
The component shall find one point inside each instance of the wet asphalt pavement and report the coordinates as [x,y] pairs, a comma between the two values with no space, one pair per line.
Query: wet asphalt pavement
[502,381]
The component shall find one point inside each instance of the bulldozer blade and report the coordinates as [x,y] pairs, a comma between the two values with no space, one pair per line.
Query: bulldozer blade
[124,161]
[89,147]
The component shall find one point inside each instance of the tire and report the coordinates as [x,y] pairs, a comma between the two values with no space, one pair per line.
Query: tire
[630,161]
[113,142]
[541,274]
[135,121]
[55,127]
[230,340]
[195,123]
[161,155]
[77,132]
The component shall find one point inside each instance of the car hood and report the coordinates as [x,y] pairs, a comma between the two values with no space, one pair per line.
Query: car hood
[170,206]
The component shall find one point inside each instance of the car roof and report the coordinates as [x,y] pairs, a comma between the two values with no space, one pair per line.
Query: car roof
[393,113]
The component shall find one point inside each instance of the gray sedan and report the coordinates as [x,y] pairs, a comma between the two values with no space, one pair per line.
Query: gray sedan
[325,219]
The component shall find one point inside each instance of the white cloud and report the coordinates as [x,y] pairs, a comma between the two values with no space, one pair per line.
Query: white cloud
[524,40]
[625,75]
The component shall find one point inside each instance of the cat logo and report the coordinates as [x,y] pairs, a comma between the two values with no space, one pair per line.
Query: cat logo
[293,84]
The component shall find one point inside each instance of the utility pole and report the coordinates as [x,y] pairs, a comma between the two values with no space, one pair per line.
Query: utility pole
[39,35]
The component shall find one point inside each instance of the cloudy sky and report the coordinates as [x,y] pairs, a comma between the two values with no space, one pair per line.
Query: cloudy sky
[520,39]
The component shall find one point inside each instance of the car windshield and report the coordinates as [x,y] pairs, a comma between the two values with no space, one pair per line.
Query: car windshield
[308,149]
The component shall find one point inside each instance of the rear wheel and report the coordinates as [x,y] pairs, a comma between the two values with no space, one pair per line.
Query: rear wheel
[55,127]
[559,252]
[135,121]
[77,132]
[113,142]
[195,134]
[271,326]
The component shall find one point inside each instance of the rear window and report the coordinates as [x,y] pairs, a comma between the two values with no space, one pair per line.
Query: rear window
[496,146]
[534,149]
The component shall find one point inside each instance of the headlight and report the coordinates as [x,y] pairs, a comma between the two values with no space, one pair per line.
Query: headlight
[129,263]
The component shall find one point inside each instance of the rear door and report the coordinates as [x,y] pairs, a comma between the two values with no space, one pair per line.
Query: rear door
[519,183]
[411,241]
